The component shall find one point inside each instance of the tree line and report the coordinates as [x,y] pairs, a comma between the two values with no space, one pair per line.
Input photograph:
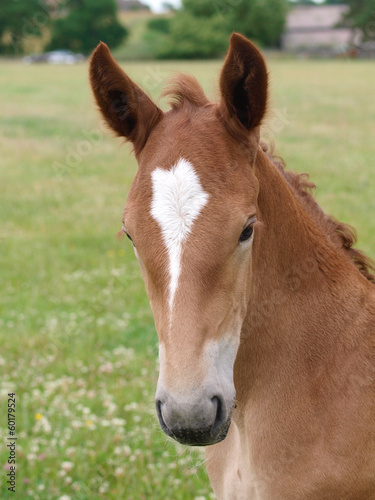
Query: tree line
[197,30]
[77,25]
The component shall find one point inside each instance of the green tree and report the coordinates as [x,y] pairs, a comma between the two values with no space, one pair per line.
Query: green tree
[262,21]
[207,9]
[201,29]
[195,37]
[361,16]
[309,2]
[85,23]
[196,31]
[19,22]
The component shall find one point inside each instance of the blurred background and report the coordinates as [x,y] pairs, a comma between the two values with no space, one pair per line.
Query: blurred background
[79,348]
[185,29]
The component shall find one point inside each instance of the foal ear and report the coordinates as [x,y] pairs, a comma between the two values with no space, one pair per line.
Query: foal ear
[243,83]
[124,105]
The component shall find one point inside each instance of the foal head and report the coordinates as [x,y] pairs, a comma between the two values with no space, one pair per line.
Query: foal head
[190,214]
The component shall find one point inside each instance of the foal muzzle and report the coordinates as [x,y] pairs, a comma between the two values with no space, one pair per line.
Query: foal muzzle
[196,423]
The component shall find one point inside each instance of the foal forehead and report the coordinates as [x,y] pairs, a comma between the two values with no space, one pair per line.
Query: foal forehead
[195,134]
[177,198]
[188,153]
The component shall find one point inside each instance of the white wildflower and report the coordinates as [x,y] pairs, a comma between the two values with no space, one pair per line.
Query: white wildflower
[67,466]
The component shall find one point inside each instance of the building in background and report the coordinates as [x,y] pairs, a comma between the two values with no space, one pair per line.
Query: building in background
[314,28]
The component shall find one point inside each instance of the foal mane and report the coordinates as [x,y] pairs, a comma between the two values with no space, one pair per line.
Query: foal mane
[342,235]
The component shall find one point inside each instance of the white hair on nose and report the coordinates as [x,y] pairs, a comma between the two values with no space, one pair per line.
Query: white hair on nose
[177,200]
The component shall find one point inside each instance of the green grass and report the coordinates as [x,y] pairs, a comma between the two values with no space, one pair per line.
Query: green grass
[79,346]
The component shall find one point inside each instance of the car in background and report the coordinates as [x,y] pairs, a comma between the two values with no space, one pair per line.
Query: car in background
[54,57]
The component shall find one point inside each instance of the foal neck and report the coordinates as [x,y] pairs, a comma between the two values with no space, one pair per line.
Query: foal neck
[304,290]
[292,254]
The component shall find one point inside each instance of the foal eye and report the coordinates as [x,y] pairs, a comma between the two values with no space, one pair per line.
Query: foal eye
[129,237]
[247,232]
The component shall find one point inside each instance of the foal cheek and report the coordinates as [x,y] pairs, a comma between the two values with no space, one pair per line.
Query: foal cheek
[156,299]
[242,286]
[247,281]
[146,281]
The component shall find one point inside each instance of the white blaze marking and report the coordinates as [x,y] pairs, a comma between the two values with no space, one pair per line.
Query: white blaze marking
[177,200]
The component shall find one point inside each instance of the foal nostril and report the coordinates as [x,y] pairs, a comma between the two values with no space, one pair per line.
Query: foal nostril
[220,418]
[162,423]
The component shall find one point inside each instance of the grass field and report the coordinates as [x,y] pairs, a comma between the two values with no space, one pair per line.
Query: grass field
[77,335]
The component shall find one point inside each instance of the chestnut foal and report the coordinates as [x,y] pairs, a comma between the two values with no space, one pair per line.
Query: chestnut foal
[265,313]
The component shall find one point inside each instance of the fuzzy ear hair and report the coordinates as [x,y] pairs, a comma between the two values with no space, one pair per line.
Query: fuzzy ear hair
[243,84]
[125,106]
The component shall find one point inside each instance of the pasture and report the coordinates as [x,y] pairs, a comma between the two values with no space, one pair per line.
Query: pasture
[79,348]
